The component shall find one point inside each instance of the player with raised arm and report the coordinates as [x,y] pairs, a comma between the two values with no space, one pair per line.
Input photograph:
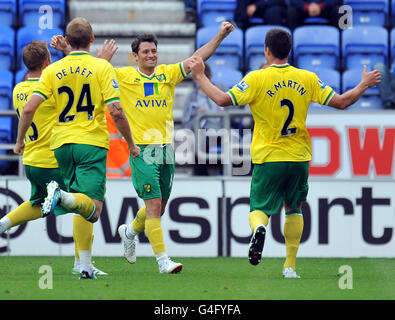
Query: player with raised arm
[147,92]
[39,161]
[279,97]
[82,87]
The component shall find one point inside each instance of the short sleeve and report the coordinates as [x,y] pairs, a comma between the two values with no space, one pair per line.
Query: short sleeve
[245,91]
[44,86]
[109,84]
[322,93]
[176,73]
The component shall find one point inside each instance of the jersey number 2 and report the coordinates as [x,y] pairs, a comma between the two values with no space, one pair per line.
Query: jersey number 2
[286,130]
[84,95]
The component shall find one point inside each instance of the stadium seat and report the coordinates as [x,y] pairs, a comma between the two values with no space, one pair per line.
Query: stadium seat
[392,45]
[364,45]
[27,34]
[255,45]
[6,129]
[212,12]
[6,85]
[316,46]
[229,53]
[331,78]
[369,12]
[8,16]
[7,47]
[371,99]
[20,75]
[225,76]
[29,12]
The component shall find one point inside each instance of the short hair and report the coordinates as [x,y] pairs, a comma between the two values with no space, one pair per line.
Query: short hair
[34,54]
[146,37]
[279,42]
[79,32]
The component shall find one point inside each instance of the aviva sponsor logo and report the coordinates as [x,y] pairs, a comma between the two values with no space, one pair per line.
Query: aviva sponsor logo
[151,89]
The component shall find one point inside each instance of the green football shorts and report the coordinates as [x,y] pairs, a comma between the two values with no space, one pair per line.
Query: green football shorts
[83,168]
[39,178]
[276,182]
[153,171]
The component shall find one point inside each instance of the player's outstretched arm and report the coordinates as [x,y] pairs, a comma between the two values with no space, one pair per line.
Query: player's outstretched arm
[25,121]
[368,80]
[209,48]
[221,98]
[122,124]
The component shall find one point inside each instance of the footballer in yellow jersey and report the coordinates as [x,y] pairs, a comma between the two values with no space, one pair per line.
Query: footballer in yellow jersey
[279,97]
[37,152]
[82,86]
[148,101]
[147,95]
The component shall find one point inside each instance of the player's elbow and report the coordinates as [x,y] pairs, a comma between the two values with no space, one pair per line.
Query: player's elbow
[339,102]
[223,100]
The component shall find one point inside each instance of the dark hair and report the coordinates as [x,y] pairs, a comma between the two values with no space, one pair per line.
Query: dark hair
[79,32]
[279,42]
[34,55]
[143,38]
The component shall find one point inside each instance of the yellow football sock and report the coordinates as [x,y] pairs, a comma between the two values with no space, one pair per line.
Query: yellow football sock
[256,218]
[293,229]
[24,213]
[139,221]
[154,233]
[82,234]
[83,205]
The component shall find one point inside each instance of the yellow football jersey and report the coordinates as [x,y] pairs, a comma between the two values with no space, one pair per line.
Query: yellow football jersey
[82,86]
[148,101]
[279,97]
[37,152]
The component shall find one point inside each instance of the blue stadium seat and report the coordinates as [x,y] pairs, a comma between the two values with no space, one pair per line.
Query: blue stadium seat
[226,76]
[6,85]
[7,47]
[6,129]
[392,45]
[229,53]
[364,45]
[371,99]
[27,34]
[255,45]
[8,15]
[369,12]
[316,46]
[20,75]
[211,12]
[30,15]
[331,78]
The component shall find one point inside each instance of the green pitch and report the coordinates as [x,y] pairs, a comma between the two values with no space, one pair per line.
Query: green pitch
[201,279]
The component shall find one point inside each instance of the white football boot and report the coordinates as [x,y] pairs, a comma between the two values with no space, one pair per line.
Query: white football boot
[129,245]
[289,273]
[168,266]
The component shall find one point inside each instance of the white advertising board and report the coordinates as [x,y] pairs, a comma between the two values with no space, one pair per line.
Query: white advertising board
[208,218]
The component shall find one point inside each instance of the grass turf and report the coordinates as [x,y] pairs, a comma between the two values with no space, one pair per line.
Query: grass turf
[201,279]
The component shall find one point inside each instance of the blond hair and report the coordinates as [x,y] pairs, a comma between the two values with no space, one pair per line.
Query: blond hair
[79,32]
